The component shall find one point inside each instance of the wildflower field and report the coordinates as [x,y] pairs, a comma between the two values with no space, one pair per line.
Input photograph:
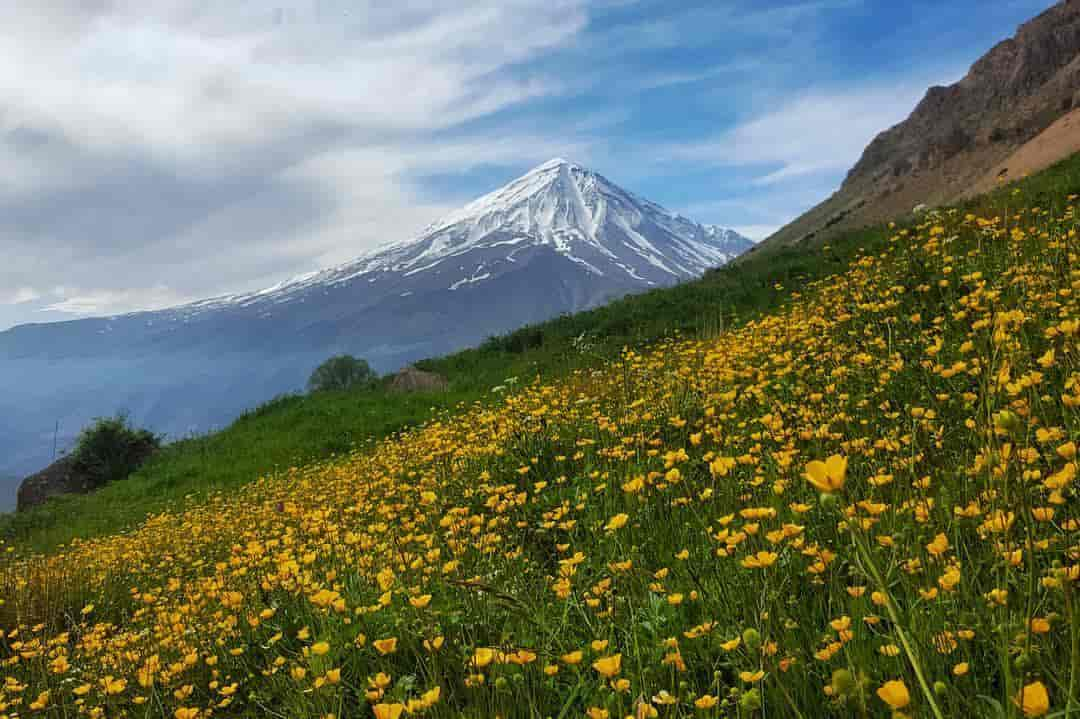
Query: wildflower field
[863,503]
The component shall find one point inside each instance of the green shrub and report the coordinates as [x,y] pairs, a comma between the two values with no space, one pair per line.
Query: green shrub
[342,373]
[111,449]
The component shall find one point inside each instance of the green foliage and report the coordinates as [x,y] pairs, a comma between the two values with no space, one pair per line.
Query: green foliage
[111,449]
[932,579]
[341,374]
[285,432]
[294,430]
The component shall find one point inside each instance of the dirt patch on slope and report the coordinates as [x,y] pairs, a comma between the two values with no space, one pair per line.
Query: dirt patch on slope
[412,379]
[1055,142]
[959,134]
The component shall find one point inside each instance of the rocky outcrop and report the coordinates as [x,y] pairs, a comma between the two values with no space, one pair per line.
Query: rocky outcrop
[67,476]
[959,134]
[412,379]
[60,477]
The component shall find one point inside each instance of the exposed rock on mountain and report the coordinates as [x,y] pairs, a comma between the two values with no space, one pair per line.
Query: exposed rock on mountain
[411,379]
[66,476]
[959,138]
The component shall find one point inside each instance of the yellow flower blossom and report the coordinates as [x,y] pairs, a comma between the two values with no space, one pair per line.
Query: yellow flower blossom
[706,701]
[828,476]
[1033,700]
[608,666]
[895,694]
[761,560]
[385,646]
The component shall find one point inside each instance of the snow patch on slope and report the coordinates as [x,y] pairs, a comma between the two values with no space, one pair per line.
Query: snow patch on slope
[559,205]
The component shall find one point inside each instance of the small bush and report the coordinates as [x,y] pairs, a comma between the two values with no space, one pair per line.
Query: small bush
[342,373]
[111,449]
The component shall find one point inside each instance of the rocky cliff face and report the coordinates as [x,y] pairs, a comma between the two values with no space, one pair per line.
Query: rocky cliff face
[958,134]
[58,478]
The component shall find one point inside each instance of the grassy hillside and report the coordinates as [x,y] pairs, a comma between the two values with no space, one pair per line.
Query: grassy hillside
[292,431]
[861,503]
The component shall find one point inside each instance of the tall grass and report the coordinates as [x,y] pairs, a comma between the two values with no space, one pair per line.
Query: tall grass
[861,502]
[294,430]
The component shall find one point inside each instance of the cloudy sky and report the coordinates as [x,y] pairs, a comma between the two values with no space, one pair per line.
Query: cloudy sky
[159,151]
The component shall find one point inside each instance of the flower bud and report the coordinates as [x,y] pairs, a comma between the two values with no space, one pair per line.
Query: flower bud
[750,701]
[842,681]
[752,639]
[1008,421]
[1022,662]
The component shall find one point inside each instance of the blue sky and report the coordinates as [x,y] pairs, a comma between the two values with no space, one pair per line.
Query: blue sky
[162,152]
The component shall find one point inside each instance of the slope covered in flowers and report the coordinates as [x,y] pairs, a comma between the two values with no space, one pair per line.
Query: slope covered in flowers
[863,504]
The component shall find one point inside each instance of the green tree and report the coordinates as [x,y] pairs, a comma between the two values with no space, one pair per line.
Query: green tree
[340,373]
[111,449]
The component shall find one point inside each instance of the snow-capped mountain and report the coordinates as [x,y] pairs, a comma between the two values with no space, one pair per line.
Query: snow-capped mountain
[558,239]
[614,236]
[580,215]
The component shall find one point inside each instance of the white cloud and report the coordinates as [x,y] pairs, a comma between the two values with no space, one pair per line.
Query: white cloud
[158,151]
[757,233]
[654,80]
[20,296]
[761,211]
[375,205]
[817,132]
[109,302]
[187,83]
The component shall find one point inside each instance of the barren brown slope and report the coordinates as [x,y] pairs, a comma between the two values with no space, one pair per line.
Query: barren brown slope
[957,135]
[1055,142]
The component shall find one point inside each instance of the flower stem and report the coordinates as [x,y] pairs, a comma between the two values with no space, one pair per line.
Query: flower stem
[864,555]
[1074,655]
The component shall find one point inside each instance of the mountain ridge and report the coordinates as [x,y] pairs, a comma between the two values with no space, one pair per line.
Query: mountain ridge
[708,245]
[961,136]
[558,239]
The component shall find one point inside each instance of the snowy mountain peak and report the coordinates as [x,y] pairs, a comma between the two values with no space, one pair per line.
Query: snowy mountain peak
[558,239]
[553,163]
[587,219]
[520,203]
[558,209]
